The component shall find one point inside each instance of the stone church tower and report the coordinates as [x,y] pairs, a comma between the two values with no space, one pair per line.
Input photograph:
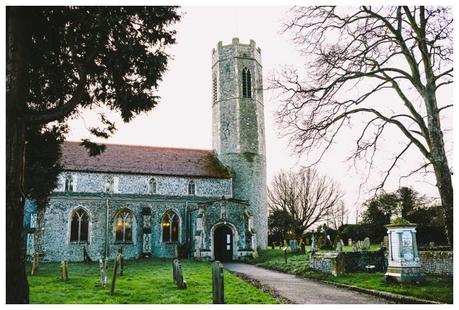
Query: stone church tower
[238,125]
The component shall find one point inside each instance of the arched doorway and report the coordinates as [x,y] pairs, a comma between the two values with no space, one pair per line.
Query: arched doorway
[223,243]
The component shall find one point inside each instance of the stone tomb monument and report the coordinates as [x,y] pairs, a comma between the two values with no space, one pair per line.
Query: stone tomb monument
[403,260]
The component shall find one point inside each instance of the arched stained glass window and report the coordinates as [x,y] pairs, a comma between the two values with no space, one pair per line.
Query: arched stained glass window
[246,83]
[123,226]
[79,227]
[170,224]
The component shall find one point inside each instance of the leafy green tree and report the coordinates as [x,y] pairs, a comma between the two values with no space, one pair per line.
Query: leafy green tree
[61,60]
[280,225]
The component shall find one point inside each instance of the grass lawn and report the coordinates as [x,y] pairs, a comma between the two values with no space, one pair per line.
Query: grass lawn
[437,288]
[145,281]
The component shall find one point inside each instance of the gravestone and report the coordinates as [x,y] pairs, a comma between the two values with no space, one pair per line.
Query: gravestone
[431,244]
[365,244]
[349,242]
[177,274]
[293,245]
[218,287]
[115,271]
[354,247]
[120,258]
[103,272]
[339,246]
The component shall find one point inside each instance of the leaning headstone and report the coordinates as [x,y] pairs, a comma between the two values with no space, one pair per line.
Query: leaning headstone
[218,287]
[115,270]
[86,257]
[103,272]
[178,274]
[366,244]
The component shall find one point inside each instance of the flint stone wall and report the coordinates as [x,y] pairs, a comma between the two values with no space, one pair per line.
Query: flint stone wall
[344,262]
[437,262]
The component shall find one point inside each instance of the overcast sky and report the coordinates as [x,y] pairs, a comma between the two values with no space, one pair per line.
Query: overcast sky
[183,118]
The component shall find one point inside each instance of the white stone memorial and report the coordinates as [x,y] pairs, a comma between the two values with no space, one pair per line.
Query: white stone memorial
[403,260]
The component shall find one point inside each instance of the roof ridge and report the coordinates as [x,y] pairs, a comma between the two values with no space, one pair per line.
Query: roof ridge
[147,146]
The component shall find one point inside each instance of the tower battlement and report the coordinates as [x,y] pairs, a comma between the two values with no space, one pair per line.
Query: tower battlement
[236,49]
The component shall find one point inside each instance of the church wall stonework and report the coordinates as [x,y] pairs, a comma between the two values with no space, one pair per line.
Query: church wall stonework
[139,184]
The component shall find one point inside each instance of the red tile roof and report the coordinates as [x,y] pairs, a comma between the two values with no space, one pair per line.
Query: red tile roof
[119,158]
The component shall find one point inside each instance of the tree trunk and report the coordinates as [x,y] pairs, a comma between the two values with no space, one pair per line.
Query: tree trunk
[439,160]
[17,289]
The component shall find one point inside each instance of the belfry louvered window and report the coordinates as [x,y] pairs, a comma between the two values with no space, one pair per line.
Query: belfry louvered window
[214,89]
[246,83]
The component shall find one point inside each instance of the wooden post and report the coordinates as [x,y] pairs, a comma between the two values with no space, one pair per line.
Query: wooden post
[218,288]
[121,263]
[115,270]
[62,270]
[103,272]
[66,262]
[34,264]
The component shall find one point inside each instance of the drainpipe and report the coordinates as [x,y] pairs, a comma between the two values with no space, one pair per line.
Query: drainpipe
[106,230]
[186,225]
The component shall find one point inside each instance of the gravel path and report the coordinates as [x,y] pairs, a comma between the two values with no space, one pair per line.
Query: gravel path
[303,291]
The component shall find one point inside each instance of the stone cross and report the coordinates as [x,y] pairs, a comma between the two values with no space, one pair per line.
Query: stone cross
[313,244]
[177,274]
[218,287]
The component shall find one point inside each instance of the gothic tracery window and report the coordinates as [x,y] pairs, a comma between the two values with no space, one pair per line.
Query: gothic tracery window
[123,226]
[170,225]
[79,226]
[246,83]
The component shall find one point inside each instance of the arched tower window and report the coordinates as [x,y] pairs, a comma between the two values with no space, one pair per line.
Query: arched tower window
[153,186]
[170,224]
[68,183]
[123,226]
[79,226]
[214,89]
[246,83]
[191,188]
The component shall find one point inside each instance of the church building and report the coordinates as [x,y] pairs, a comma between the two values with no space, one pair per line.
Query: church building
[167,202]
